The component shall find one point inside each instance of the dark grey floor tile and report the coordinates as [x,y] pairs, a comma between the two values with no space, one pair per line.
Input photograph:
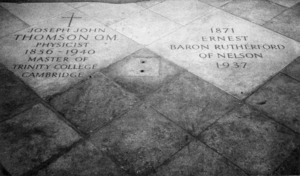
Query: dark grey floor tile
[93,103]
[257,11]
[31,138]
[293,69]
[198,160]
[280,99]
[14,95]
[287,23]
[142,72]
[9,23]
[291,166]
[83,160]
[192,103]
[254,142]
[141,140]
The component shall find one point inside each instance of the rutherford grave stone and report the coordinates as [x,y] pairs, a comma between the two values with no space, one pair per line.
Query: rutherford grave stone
[231,53]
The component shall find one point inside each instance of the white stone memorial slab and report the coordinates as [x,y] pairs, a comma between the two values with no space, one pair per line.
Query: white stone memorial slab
[234,54]
[63,50]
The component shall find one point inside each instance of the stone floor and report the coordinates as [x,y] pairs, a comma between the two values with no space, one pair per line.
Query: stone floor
[158,88]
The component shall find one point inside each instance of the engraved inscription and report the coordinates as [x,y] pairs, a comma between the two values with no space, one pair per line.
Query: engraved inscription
[228,48]
[60,52]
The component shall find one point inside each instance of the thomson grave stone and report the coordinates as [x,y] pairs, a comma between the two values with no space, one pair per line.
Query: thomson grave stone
[52,55]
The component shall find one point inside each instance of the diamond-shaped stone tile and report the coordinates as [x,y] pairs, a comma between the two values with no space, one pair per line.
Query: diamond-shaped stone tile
[286,3]
[33,13]
[9,23]
[291,166]
[280,99]
[221,49]
[216,3]
[252,141]
[145,27]
[182,12]
[257,11]
[108,14]
[141,140]
[83,160]
[93,103]
[14,95]
[287,23]
[31,138]
[293,69]
[142,72]
[192,103]
[60,52]
[197,159]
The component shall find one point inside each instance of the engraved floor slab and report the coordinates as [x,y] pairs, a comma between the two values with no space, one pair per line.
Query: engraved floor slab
[9,23]
[55,54]
[141,140]
[83,160]
[142,72]
[31,138]
[93,103]
[182,12]
[252,141]
[221,49]
[280,99]
[145,27]
[33,13]
[197,159]
[14,95]
[110,13]
[192,103]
